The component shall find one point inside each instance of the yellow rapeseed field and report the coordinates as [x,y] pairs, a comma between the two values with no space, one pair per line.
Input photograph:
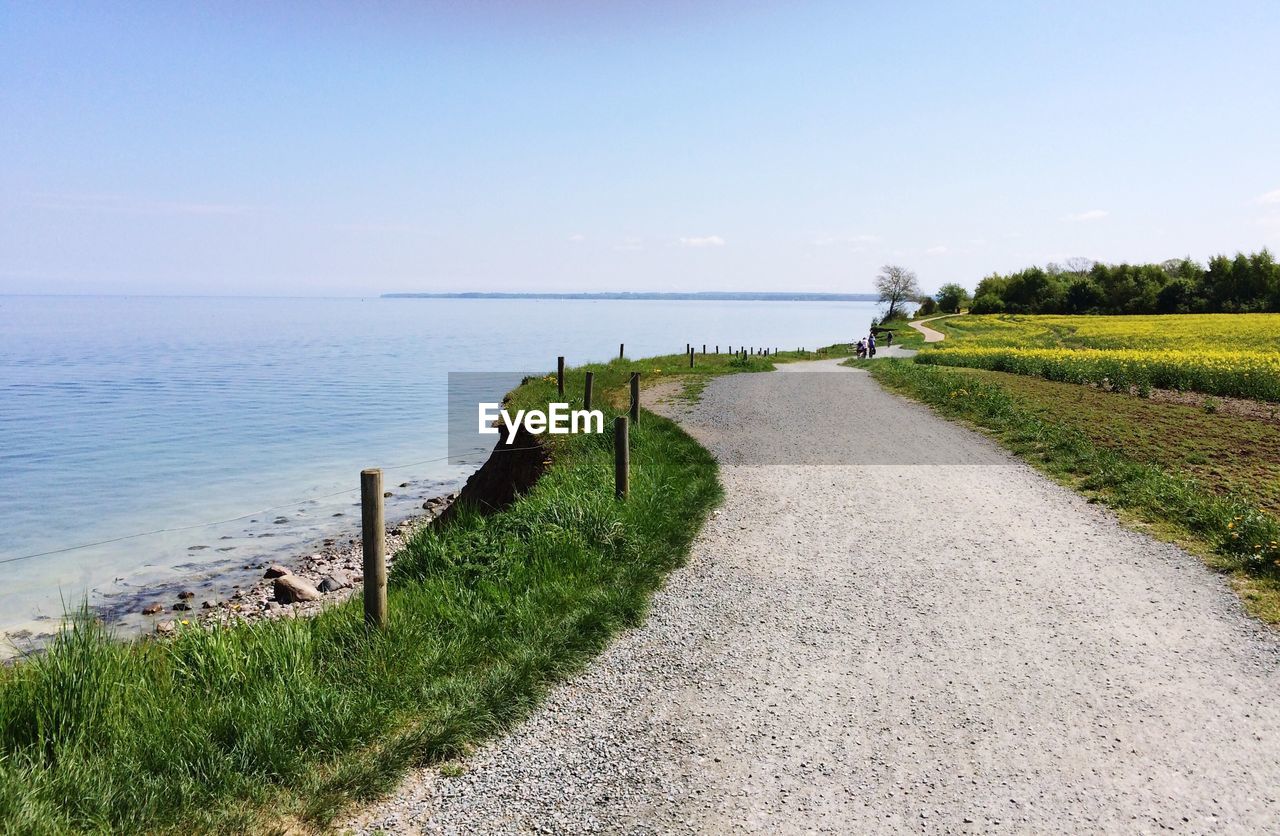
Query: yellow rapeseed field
[1235,355]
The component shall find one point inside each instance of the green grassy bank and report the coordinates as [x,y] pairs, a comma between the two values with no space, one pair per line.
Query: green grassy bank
[281,724]
[1209,481]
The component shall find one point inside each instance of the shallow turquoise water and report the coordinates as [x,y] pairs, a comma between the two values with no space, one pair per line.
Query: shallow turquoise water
[123,415]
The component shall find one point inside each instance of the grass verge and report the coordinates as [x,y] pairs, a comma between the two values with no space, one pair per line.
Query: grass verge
[1181,473]
[278,725]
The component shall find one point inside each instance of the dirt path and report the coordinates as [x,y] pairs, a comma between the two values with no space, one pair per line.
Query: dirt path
[891,625]
[930,335]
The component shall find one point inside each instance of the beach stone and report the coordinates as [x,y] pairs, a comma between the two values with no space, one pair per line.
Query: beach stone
[333,582]
[206,605]
[181,606]
[153,609]
[186,594]
[275,570]
[290,589]
[165,628]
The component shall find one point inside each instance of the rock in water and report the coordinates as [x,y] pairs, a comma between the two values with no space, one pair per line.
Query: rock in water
[290,589]
[276,571]
[154,609]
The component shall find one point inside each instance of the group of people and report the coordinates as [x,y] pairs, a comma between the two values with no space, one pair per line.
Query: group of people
[867,345]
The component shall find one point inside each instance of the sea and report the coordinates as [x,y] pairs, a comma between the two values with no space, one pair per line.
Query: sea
[146,440]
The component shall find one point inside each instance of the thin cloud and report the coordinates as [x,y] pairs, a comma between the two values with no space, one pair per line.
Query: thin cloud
[135,206]
[704,241]
[1269,197]
[1091,215]
[832,240]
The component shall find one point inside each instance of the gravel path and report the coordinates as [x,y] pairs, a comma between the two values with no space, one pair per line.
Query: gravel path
[930,335]
[1017,662]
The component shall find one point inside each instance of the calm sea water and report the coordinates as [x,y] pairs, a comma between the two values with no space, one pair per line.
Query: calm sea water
[127,415]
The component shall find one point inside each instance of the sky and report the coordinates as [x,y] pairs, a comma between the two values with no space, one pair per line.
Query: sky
[322,149]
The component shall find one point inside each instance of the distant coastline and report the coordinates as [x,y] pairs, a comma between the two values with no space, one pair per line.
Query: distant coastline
[708,296]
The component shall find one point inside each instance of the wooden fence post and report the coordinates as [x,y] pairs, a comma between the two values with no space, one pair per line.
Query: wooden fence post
[691,358]
[560,376]
[621,458]
[635,397]
[586,390]
[704,349]
[621,346]
[373,533]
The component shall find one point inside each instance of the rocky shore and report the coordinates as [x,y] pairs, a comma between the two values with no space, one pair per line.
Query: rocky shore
[288,588]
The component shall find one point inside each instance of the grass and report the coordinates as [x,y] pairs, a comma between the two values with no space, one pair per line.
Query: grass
[1209,481]
[279,725]
[904,336]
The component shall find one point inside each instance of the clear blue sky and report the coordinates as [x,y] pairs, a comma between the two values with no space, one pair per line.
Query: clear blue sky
[356,148]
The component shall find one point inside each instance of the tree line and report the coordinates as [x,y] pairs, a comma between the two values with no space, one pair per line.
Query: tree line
[1245,283]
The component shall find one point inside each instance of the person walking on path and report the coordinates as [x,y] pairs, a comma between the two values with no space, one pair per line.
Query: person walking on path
[871,345]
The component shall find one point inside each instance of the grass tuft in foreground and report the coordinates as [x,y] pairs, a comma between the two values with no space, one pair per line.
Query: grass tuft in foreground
[264,726]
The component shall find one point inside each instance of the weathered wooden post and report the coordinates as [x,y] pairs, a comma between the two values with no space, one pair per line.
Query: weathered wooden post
[635,397]
[691,358]
[560,376]
[687,348]
[621,458]
[621,346]
[373,534]
[586,390]
[717,349]
[704,349]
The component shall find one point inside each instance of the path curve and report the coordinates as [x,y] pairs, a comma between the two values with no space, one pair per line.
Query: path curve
[892,625]
[930,335]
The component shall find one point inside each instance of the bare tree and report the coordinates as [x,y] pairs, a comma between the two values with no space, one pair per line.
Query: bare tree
[1078,265]
[896,285]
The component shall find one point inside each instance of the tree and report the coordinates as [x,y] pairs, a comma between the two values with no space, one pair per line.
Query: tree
[896,285]
[927,306]
[951,297]
[1083,296]
[987,303]
[1078,266]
